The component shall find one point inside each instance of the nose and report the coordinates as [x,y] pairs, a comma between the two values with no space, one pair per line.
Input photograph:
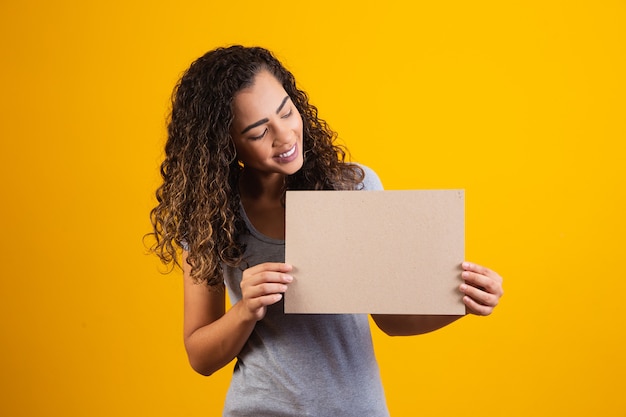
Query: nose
[282,135]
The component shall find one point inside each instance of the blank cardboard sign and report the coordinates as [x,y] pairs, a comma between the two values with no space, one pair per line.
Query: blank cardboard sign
[376,252]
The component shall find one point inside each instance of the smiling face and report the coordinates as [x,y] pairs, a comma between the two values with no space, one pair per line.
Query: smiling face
[267,128]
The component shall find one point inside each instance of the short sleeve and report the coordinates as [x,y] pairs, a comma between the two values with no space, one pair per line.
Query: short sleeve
[371,182]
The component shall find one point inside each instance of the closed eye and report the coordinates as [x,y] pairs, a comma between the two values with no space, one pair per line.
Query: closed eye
[260,136]
[289,113]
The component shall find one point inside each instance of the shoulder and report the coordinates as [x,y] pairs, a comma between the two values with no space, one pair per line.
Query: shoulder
[371,181]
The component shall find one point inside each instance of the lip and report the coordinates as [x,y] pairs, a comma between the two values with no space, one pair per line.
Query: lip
[289,155]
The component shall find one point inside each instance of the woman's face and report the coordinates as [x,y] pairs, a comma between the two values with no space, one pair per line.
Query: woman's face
[267,128]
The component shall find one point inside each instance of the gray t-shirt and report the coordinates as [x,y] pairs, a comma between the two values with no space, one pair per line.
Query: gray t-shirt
[302,365]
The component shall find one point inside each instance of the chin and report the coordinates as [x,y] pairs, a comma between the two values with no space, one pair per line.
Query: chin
[297,166]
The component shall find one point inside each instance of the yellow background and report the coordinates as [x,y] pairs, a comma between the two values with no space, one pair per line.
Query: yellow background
[521,103]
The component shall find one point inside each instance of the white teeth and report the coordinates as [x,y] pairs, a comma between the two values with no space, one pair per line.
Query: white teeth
[288,153]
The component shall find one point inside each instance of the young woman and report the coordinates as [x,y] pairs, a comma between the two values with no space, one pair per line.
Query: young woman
[241,133]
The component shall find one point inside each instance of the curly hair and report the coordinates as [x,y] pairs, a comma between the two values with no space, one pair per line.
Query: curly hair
[198,202]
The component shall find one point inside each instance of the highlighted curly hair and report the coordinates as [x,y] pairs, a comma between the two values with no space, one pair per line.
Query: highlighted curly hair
[198,203]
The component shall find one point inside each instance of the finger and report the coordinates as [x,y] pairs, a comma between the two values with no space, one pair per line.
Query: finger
[268,272]
[263,289]
[271,266]
[479,296]
[482,277]
[250,278]
[482,282]
[470,266]
[264,301]
[258,306]
[476,308]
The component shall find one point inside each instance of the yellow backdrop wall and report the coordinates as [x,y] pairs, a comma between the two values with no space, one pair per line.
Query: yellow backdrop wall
[520,103]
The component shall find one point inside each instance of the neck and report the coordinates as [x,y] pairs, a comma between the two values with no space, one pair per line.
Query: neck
[254,186]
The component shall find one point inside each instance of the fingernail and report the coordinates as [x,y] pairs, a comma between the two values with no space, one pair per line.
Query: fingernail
[465,274]
[463,287]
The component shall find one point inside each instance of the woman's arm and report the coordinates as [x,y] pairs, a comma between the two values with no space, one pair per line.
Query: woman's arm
[214,337]
[482,289]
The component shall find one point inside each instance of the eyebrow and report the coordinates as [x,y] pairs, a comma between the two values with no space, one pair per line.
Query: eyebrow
[265,120]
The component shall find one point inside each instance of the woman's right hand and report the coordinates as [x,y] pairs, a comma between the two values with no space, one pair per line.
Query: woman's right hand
[214,336]
[263,285]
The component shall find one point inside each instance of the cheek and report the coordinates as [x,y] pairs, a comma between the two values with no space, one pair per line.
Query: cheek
[242,151]
[253,152]
[298,123]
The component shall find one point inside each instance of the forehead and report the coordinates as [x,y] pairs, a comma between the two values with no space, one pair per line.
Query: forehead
[262,97]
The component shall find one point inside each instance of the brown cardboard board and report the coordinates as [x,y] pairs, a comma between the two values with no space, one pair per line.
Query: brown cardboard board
[376,252]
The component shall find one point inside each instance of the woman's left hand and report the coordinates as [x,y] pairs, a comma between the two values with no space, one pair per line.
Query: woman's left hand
[482,288]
